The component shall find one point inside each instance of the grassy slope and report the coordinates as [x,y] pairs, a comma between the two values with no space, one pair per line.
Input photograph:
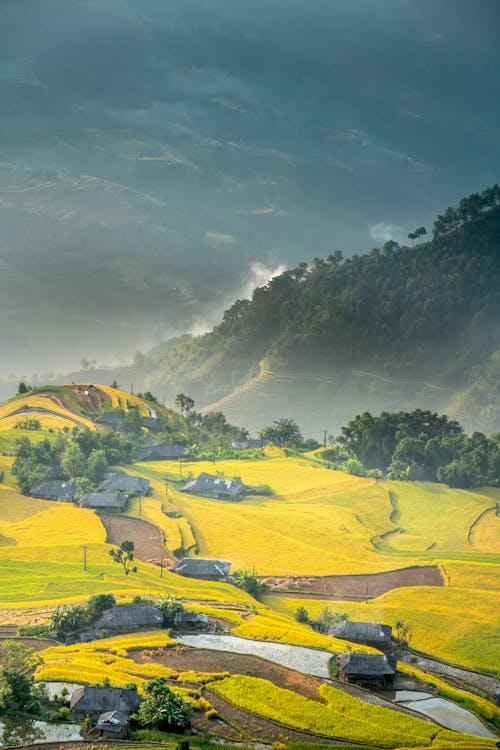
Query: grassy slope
[325,522]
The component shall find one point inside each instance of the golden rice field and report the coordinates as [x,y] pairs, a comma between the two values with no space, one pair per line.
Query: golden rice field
[268,625]
[318,522]
[337,716]
[121,400]
[39,405]
[322,522]
[457,624]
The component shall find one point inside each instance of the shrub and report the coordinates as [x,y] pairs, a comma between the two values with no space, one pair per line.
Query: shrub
[211,714]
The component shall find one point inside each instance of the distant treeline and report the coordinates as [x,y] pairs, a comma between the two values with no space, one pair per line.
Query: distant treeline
[419,445]
[433,309]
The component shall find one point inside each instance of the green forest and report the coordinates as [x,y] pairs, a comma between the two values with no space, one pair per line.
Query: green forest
[428,309]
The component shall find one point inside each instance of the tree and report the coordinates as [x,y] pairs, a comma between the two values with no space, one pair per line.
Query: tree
[97,465]
[124,555]
[162,708]
[114,384]
[73,461]
[249,582]
[184,403]
[169,606]
[131,423]
[23,388]
[66,620]
[302,615]
[97,604]
[284,432]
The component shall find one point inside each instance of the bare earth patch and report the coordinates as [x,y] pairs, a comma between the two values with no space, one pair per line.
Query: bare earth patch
[147,538]
[354,587]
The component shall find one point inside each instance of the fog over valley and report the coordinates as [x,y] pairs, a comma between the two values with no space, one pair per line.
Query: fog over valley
[161,159]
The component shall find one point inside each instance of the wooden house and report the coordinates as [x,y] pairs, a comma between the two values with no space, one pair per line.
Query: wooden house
[104,502]
[94,701]
[161,452]
[203,569]
[110,419]
[61,491]
[129,618]
[372,669]
[153,424]
[207,485]
[190,621]
[123,483]
[368,633]
[112,725]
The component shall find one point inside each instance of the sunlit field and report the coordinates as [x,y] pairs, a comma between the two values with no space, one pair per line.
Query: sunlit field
[337,716]
[458,624]
[317,522]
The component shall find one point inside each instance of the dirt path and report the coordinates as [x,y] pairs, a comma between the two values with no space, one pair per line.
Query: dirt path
[354,587]
[147,538]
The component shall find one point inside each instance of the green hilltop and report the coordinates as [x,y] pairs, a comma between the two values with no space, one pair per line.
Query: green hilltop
[398,327]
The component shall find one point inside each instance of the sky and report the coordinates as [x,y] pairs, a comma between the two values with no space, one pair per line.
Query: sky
[159,158]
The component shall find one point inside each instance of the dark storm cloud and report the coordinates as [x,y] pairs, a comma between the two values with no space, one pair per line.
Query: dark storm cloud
[291,127]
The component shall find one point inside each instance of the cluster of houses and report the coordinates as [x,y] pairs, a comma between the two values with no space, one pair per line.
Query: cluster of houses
[374,670]
[110,496]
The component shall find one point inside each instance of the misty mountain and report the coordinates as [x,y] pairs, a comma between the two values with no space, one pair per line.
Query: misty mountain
[153,153]
[395,328]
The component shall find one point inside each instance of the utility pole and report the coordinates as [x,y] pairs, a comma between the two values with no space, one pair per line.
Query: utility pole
[324,440]
[132,389]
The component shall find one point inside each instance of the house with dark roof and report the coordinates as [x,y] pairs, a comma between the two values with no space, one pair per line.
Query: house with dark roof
[372,669]
[61,491]
[207,485]
[244,445]
[110,419]
[162,452]
[95,701]
[153,424]
[190,620]
[205,570]
[104,502]
[129,618]
[122,483]
[368,633]
[112,724]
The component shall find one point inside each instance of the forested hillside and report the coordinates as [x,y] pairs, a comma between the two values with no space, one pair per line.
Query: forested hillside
[426,314]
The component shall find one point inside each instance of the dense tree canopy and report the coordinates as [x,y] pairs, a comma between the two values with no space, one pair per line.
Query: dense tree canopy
[421,445]
[432,308]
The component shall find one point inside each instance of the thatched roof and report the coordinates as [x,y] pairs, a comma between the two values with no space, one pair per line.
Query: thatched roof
[197,566]
[243,445]
[124,483]
[62,491]
[361,632]
[133,616]
[369,665]
[162,452]
[112,721]
[189,618]
[115,500]
[110,419]
[153,424]
[92,700]
[207,485]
